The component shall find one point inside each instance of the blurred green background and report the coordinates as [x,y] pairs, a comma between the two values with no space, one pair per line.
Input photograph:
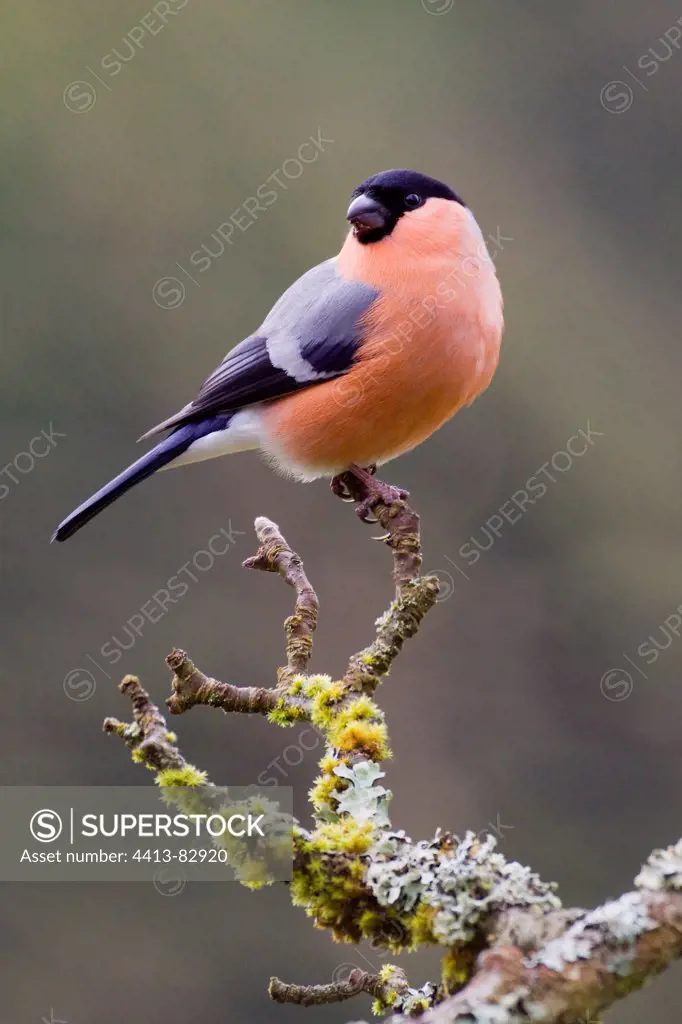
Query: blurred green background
[496,711]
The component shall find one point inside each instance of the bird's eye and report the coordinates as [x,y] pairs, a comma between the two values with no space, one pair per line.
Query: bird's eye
[413,201]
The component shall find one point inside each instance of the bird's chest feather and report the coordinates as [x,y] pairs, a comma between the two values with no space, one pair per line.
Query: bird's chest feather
[435,331]
[431,345]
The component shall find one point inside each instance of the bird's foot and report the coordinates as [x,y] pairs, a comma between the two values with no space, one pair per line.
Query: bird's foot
[340,487]
[381,494]
[360,485]
[376,501]
[345,485]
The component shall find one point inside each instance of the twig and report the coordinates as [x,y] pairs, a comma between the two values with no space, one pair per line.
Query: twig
[401,621]
[148,734]
[275,555]
[338,991]
[190,687]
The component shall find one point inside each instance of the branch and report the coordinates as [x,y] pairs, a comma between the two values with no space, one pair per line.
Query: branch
[395,516]
[511,953]
[190,687]
[338,991]
[402,620]
[275,555]
[602,957]
[256,861]
[147,736]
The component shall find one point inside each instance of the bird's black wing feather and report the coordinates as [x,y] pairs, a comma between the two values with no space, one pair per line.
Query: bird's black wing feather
[246,375]
[312,333]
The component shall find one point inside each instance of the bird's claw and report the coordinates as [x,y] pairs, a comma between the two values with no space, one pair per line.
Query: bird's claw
[382,494]
[339,487]
[378,492]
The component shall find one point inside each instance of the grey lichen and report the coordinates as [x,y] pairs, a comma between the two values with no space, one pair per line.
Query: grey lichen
[663,870]
[567,949]
[364,801]
[625,919]
[490,1006]
[617,925]
[465,883]
[415,1000]
[507,1009]
[400,871]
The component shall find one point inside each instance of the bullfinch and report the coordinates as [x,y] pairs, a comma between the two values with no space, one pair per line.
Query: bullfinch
[360,360]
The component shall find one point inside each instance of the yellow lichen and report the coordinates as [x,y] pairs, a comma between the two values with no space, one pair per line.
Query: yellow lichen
[387,999]
[322,712]
[312,685]
[345,836]
[329,763]
[421,926]
[297,685]
[285,714]
[369,922]
[417,1005]
[185,776]
[456,969]
[368,737]
[324,789]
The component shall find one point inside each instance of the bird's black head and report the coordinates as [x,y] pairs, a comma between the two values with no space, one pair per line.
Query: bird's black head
[380,201]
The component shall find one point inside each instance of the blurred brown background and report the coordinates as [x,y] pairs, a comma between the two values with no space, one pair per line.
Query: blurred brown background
[496,710]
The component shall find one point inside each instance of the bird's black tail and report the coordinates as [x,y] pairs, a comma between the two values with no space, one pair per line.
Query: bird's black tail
[163,454]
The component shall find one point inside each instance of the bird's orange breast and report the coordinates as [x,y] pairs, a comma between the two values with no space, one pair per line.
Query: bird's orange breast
[431,345]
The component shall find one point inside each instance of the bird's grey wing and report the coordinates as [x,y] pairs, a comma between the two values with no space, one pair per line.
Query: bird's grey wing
[312,333]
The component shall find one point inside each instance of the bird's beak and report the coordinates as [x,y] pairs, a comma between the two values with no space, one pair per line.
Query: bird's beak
[367,214]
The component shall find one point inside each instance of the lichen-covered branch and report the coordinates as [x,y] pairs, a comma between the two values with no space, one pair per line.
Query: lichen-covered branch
[147,735]
[381,986]
[600,958]
[402,620]
[256,861]
[511,953]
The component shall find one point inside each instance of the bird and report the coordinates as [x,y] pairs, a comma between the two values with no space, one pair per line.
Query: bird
[360,360]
